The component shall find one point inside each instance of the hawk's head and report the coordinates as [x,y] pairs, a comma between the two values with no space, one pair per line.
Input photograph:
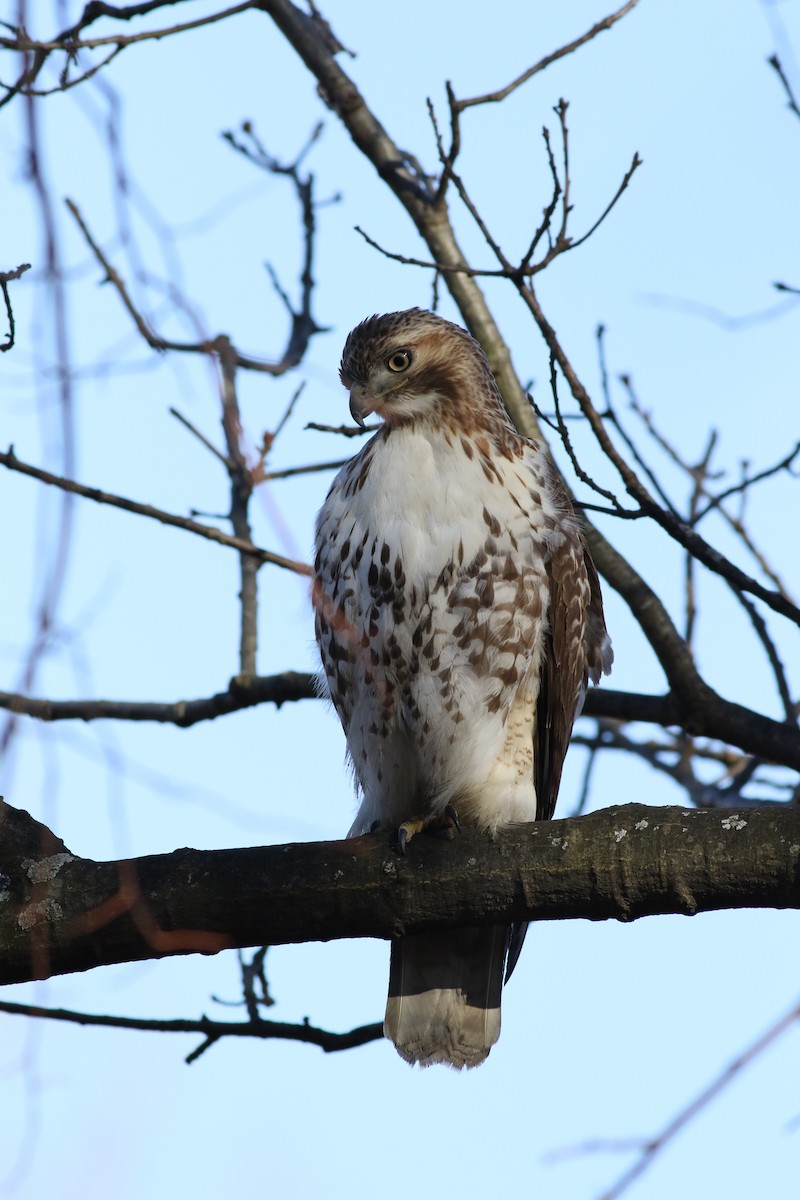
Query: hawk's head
[413,365]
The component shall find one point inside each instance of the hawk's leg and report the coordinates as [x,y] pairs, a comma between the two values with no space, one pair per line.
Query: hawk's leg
[406,831]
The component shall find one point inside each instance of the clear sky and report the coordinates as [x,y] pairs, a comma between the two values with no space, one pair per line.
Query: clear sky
[608,1030]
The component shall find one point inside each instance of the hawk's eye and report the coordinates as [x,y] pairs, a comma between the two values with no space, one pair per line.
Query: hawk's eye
[399,361]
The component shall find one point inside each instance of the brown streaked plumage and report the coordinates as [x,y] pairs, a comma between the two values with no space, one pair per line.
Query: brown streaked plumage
[459,618]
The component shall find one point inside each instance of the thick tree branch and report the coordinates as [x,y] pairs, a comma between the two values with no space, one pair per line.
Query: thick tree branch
[60,913]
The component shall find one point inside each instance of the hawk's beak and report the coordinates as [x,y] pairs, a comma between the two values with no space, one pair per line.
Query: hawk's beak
[362,403]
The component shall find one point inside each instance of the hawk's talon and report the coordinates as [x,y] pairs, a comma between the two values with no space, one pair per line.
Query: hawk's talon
[452,817]
[414,825]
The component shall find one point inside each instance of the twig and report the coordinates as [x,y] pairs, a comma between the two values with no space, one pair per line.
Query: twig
[655,1145]
[288,472]
[348,431]
[636,162]
[5,278]
[201,437]
[775,63]
[501,93]
[440,267]
[11,461]
[547,216]
[567,443]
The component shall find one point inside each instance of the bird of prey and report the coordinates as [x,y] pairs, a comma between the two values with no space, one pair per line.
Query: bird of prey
[459,617]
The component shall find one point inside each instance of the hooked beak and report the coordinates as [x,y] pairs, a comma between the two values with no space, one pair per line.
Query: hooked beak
[362,403]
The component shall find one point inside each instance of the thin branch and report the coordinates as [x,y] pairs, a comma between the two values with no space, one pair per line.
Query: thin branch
[212,1031]
[70,42]
[708,714]
[655,1145]
[791,104]
[303,324]
[243,692]
[715,501]
[566,440]
[547,215]
[287,414]
[543,63]
[440,267]
[636,162]
[747,481]
[288,472]
[201,437]
[676,528]
[6,277]
[241,489]
[699,474]
[11,461]
[216,347]
[348,431]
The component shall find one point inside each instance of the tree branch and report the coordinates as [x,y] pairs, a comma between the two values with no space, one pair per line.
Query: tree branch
[13,463]
[543,63]
[708,715]
[243,692]
[5,278]
[61,914]
[211,1030]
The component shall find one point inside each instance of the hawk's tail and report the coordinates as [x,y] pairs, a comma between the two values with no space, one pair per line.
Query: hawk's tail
[444,995]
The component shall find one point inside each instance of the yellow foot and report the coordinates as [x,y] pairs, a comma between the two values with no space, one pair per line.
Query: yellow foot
[406,831]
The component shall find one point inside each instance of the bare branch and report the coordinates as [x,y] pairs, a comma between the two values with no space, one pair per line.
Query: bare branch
[791,104]
[201,437]
[655,1145]
[348,431]
[543,63]
[289,472]
[66,913]
[715,500]
[6,277]
[243,692]
[636,162]
[566,440]
[212,1031]
[36,53]
[217,347]
[241,489]
[676,528]
[11,461]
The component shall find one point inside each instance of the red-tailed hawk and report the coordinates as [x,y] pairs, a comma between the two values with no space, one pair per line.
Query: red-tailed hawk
[458,615]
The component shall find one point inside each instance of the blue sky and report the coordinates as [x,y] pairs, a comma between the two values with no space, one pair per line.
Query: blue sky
[608,1030]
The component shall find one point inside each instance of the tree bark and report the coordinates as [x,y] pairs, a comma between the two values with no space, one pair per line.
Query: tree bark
[60,913]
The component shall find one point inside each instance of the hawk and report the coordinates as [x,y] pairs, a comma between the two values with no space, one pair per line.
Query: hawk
[459,616]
